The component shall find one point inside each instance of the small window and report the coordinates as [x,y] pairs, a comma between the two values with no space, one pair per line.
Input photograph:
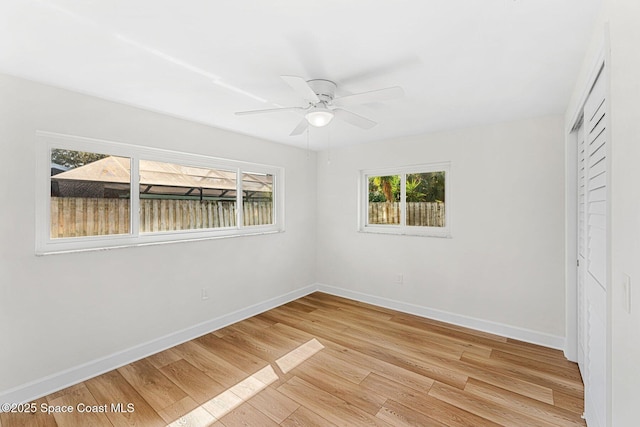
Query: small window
[384,199]
[257,199]
[426,199]
[411,200]
[96,194]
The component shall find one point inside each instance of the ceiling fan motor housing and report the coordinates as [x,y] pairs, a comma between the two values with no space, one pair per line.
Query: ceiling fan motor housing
[325,89]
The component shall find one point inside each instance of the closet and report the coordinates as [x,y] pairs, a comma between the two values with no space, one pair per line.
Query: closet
[592,209]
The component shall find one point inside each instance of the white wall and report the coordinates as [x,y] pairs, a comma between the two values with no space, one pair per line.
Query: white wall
[504,263]
[625,218]
[60,311]
[619,24]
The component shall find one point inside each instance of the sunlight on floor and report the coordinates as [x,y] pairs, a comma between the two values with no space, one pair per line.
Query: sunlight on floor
[209,412]
[299,355]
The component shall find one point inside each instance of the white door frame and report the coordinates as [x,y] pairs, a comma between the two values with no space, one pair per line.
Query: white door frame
[571,247]
[571,214]
[571,219]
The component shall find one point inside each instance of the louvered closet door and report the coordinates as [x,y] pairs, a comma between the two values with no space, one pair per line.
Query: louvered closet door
[582,248]
[595,120]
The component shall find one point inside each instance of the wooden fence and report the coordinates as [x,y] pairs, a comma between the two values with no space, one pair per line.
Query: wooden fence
[426,214]
[76,216]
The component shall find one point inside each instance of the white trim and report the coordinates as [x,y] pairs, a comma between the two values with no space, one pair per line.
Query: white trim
[527,335]
[571,246]
[60,380]
[597,66]
[606,75]
[45,245]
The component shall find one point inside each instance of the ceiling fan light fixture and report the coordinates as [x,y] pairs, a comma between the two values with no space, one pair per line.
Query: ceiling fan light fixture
[319,116]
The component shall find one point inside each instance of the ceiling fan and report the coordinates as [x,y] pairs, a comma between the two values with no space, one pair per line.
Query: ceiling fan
[323,106]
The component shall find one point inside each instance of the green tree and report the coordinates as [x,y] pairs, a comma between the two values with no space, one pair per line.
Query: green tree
[384,188]
[419,187]
[425,187]
[73,159]
[414,190]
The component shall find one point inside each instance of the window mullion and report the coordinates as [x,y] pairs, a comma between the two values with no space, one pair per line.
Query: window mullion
[364,201]
[403,198]
[134,199]
[44,231]
[275,201]
[239,200]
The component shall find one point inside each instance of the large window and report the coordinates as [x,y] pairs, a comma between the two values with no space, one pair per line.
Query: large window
[97,194]
[409,200]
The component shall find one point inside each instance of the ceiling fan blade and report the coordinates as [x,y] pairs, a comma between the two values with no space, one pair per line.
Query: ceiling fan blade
[302,126]
[301,86]
[372,96]
[269,110]
[354,119]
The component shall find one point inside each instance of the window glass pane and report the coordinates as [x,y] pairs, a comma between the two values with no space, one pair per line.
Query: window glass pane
[257,198]
[90,194]
[384,199]
[175,197]
[425,199]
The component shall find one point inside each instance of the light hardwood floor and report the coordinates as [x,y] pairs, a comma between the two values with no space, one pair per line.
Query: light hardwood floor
[328,361]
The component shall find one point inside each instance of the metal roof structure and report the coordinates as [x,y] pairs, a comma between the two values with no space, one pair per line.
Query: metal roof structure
[168,178]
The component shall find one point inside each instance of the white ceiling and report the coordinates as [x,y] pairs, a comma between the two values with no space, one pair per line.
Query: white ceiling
[461,62]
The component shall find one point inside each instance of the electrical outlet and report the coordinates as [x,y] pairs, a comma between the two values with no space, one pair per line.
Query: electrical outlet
[204,294]
[399,279]
[626,289]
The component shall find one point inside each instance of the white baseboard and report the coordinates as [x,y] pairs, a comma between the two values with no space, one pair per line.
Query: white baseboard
[501,329]
[58,381]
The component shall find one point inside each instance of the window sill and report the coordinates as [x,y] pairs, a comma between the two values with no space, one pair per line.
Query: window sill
[405,231]
[143,242]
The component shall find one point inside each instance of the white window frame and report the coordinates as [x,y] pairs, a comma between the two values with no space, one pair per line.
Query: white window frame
[46,141]
[402,228]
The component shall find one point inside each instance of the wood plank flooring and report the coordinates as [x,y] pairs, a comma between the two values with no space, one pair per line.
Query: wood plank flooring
[327,361]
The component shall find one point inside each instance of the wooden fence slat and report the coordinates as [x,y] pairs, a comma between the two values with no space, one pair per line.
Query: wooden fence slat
[101,217]
[78,215]
[199,216]
[92,218]
[178,224]
[191,219]
[66,218]
[123,216]
[55,223]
